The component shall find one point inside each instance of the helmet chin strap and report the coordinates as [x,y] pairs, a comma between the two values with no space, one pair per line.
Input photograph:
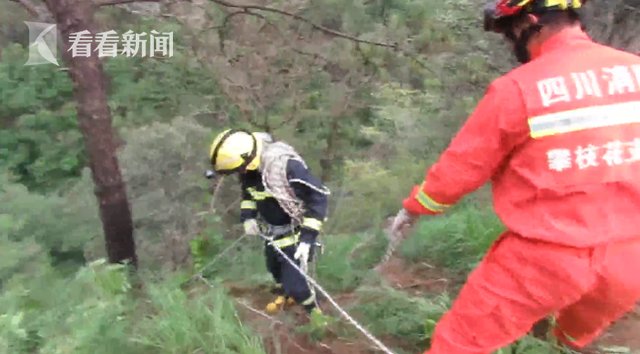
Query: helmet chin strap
[520,49]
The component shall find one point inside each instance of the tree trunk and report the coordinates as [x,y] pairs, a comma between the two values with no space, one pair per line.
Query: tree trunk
[94,119]
[328,160]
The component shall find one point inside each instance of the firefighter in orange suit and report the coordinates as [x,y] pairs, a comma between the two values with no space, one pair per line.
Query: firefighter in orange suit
[559,138]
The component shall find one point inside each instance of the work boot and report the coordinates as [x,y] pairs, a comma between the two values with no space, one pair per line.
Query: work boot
[276,305]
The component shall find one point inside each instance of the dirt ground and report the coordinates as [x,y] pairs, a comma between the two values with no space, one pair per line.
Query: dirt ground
[415,279]
[277,331]
[421,279]
[625,332]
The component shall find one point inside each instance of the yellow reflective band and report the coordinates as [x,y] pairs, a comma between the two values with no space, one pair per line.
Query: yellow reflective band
[562,4]
[257,195]
[248,204]
[584,118]
[310,300]
[312,223]
[427,202]
[286,241]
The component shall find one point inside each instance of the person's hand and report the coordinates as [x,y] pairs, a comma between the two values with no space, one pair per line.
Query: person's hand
[402,221]
[302,252]
[251,227]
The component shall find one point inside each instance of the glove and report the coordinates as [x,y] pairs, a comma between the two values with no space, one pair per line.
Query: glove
[402,220]
[302,252]
[251,227]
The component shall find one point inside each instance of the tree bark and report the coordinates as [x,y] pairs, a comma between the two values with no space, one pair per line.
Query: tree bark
[328,160]
[94,118]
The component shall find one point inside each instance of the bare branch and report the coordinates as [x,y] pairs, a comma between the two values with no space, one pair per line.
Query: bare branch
[38,12]
[222,29]
[119,2]
[42,14]
[318,27]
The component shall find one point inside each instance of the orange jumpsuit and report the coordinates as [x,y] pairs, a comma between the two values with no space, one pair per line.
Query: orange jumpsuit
[559,138]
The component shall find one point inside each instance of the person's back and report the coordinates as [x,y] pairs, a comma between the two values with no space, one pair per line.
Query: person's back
[576,178]
[559,139]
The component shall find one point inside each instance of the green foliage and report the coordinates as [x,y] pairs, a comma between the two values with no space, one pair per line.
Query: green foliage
[347,259]
[391,312]
[207,324]
[456,240]
[39,139]
[94,312]
[532,345]
[58,224]
[163,167]
[367,119]
[80,315]
[29,89]
[40,159]
[145,91]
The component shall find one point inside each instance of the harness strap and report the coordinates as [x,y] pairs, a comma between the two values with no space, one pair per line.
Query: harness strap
[286,241]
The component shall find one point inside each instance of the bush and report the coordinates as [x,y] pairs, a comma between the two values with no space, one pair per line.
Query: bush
[61,225]
[347,259]
[207,323]
[387,311]
[163,167]
[54,315]
[456,240]
[94,312]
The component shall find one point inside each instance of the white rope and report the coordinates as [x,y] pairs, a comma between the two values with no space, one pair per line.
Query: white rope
[218,256]
[344,313]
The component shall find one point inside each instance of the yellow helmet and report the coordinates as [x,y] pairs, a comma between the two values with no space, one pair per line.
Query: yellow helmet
[235,150]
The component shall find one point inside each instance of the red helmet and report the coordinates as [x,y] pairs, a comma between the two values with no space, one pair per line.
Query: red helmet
[501,9]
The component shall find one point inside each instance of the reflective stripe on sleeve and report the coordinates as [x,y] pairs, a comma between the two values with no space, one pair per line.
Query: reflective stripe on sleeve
[248,204]
[312,223]
[426,201]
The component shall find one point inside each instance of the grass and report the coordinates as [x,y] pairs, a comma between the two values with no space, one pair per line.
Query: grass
[348,259]
[207,323]
[456,240]
[96,311]
[390,312]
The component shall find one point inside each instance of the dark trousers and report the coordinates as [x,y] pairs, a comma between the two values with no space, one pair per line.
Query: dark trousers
[293,283]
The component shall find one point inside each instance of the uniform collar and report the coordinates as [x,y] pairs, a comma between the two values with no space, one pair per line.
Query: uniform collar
[562,39]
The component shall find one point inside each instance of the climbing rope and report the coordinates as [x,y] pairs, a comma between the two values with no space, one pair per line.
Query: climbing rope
[344,313]
[199,275]
[218,256]
[394,241]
